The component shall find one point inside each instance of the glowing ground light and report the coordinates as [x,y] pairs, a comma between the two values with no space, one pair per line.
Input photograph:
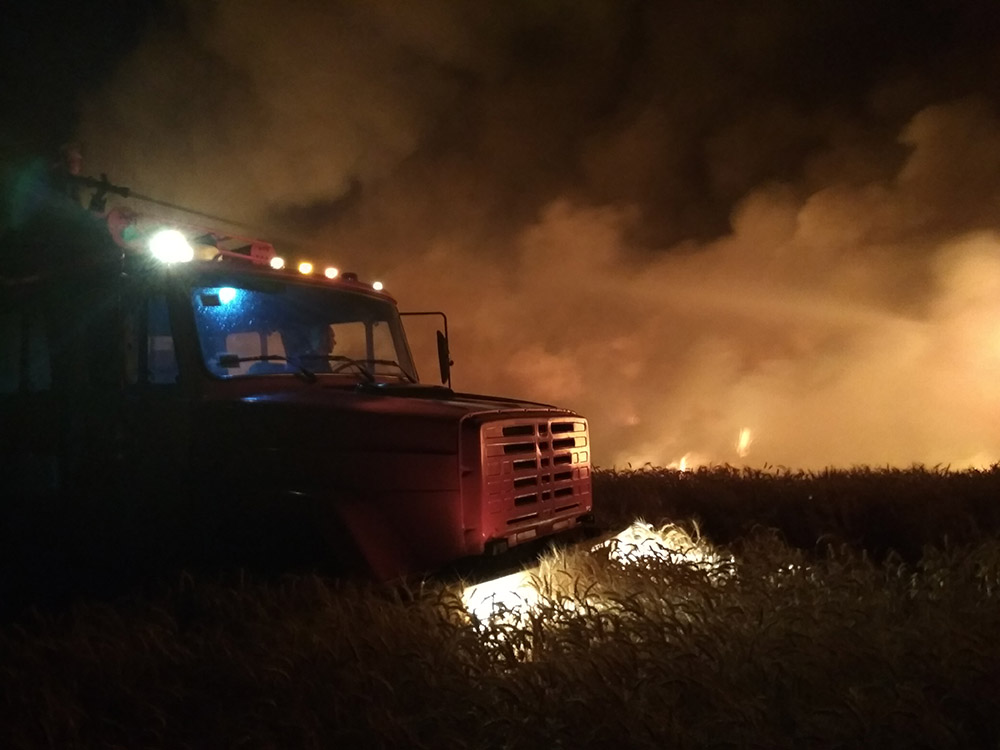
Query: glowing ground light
[643,541]
[513,594]
[509,598]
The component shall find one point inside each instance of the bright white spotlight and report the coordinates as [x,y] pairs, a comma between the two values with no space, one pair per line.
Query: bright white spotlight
[331,272]
[277,262]
[670,544]
[226,295]
[170,246]
[377,286]
[511,596]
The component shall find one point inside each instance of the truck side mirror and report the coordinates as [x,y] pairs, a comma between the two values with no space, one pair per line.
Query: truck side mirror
[444,359]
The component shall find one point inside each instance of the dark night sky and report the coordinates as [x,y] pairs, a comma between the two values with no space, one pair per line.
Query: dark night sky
[685,219]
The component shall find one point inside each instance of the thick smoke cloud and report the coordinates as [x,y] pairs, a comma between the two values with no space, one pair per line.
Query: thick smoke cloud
[685,220]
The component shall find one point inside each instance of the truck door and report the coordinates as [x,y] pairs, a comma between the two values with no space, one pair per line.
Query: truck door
[59,383]
[156,420]
[30,475]
[59,400]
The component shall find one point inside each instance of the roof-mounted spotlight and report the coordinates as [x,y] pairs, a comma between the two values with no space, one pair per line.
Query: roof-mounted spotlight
[331,272]
[170,246]
[305,268]
[277,262]
[377,286]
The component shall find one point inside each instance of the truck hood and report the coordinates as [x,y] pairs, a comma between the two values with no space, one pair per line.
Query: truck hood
[434,402]
[369,417]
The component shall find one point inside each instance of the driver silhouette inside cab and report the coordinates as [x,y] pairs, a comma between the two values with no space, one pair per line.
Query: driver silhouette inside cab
[310,347]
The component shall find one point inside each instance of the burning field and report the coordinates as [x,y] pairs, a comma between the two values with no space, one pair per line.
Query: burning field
[762,234]
[759,618]
[728,234]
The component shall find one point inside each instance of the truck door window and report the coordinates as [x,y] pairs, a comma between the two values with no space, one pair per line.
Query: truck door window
[160,355]
[25,358]
[149,344]
[10,352]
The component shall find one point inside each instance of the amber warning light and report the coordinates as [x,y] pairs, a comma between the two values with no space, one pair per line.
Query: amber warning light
[170,245]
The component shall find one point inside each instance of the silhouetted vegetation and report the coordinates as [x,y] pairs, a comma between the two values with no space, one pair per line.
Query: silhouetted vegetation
[839,609]
[877,510]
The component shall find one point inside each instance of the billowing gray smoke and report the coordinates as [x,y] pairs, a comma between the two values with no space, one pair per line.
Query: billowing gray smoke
[754,233]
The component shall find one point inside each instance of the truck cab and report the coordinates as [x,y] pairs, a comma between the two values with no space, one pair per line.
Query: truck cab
[207,401]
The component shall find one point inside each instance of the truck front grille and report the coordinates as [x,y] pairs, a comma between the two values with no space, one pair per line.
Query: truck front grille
[536,471]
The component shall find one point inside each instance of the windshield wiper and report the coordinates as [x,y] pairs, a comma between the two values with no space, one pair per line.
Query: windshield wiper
[393,363]
[340,363]
[345,362]
[230,361]
[362,365]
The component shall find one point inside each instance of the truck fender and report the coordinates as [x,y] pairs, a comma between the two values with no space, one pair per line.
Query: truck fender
[339,530]
[385,555]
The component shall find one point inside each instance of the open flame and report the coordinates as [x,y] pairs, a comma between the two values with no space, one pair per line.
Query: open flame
[689,460]
[743,442]
[681,464]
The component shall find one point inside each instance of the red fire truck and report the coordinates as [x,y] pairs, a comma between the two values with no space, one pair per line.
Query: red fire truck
[168,392]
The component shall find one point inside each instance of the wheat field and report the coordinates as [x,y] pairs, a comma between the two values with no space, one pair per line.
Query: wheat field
[771,608]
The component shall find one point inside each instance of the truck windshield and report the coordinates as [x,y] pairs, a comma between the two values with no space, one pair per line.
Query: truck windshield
[253,328]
